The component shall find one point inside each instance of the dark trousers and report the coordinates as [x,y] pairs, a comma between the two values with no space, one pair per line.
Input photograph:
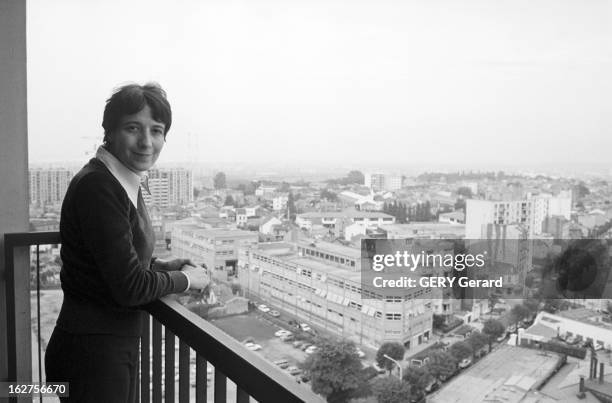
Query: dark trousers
[98,367]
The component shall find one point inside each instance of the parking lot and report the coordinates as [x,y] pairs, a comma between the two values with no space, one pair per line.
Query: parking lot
[259,328]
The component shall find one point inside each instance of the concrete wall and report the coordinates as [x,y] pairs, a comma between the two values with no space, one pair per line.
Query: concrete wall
[13,157]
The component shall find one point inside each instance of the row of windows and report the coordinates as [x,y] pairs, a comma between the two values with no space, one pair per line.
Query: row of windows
[326,256]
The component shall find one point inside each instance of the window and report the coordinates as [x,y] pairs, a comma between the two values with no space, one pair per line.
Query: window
[393,316]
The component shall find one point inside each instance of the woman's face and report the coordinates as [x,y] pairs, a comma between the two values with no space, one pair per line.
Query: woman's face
[138,140]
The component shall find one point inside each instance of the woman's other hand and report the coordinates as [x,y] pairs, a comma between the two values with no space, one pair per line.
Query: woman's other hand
[199,278]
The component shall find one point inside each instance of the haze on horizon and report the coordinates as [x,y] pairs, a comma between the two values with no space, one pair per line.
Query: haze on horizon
[511,82]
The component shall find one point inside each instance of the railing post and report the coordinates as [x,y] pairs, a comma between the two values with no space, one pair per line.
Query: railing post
[18,318]
[13,157]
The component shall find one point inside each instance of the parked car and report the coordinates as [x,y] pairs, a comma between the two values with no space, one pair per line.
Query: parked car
[432,386]
[287,337]
[263,308]
[281,363]
[298,343]
[276,314]
[466,362]
[281,332]
[293,370]
[253,346]
[310,349]
[305,346]
[305,327]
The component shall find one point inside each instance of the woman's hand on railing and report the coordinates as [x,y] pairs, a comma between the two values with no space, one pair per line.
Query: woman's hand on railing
[199,277]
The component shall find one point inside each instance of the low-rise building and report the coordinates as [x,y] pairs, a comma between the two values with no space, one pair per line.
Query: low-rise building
[330,219]
[320,283]
[583,323]
[217,248]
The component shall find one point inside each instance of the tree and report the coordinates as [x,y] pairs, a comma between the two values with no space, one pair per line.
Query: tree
[493,329]
[334,369]
[229,201]
[441,364]
[465,191]
[330,196]
[355,177]
[219,181]
[418,378]
[391,390]
[461,350]
[493,300]
[236,289]
[460,204]
[438,321]
[581,190]
[519,312]
[532,304]
[291,210]
[284,187]
[402,216]
[393,350]
[477,341]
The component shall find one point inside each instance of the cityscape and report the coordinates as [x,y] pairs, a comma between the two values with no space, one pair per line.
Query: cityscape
[285,257]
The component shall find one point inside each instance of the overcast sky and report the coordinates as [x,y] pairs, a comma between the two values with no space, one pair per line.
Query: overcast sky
[328,81]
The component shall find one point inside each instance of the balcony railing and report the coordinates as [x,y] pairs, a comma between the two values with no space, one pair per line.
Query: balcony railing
[253,376]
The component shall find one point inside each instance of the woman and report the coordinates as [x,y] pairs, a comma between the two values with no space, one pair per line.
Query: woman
[107,244]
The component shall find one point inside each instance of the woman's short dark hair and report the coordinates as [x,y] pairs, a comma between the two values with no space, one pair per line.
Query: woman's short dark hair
[132,98]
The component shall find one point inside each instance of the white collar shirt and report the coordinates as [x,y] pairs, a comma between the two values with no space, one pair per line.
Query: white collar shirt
[129,180]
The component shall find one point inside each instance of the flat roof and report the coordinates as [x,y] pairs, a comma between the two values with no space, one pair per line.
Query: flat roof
[344,214]
[340,272]
[541,330]
[506,374]
[216,232]
[353,253]
[586,316]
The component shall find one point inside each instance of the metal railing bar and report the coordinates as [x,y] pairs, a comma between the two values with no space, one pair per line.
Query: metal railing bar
[241,396]
[169,366]
[183,372]
[220,387]
[157,362]
[201,379]
[145,368]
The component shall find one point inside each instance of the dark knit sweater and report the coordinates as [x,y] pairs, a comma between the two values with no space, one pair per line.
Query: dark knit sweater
[106,252]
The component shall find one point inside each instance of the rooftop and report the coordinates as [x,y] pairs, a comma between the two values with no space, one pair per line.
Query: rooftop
[350,213]
[586,316]
[217,232]
[353,253]
[337,271]
[507,374]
